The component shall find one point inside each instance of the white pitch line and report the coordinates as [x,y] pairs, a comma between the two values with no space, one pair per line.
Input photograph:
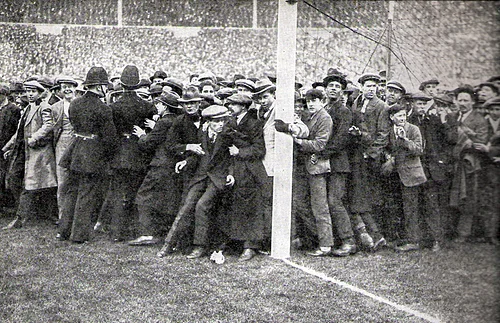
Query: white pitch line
[403,308]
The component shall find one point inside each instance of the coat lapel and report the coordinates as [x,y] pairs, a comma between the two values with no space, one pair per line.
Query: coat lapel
[33,110]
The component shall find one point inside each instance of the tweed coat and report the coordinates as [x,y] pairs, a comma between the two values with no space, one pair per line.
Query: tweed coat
[407,154]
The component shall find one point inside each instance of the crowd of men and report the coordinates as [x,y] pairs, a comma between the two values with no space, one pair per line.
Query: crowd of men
[191,166]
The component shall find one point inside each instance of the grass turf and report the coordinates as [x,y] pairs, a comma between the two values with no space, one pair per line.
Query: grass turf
[42,280]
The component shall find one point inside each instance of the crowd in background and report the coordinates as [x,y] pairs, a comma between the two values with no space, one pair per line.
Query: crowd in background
[191,163]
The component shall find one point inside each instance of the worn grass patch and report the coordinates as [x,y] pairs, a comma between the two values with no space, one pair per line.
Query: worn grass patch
[42,280]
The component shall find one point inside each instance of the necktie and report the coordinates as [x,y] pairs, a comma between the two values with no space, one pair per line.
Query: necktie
[365,103]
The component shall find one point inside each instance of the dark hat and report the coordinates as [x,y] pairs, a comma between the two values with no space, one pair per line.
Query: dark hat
[492,101]
[17,87]
[191,94]
[420,96]
[263,85]
[396,85]
[159,74]
[316,84]
[245,83]
[115,77]
[34,85]
[237,77]
[424,83]
[491,85]
[369,77]
[239,98]
[225,93]
[335,71]
[335,78]
[443,98]
[253,79]
[494,79]
[46,82]
[272,78]
[175,84]
[155,89]
[215,112]
[65,79]
[4,89]
[130,77]
[96,76]
[144,83]
[169,99]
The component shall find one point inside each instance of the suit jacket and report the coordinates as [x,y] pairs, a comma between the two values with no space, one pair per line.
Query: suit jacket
[407,155]
[156,142]
[128,111]
[336,148]
[89,116]
[215,163]
[10,114]
[270,140]
[320,130]
[374,125]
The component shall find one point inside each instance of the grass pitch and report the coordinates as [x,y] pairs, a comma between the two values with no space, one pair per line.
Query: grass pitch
[43,280]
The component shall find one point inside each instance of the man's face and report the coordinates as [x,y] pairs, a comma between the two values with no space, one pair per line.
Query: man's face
[430,89]
[494,111]
[485,93]
[68,91]
[32,94]
[393,95]
[160,107]
[399,118]
[315,105]
[369,89]
[266,100]
[191,108]
[208,90]
[334,90]
[157,80]
[299,109]
[419,106]
[217,124]
[235,108]
[464,102]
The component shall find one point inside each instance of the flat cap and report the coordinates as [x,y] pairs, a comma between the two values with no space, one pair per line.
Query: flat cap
[420,96]
[215,112]
[492,101]
[396,85]
[424,83]
[368,77]
[34,85]
[239,98]
[245,83]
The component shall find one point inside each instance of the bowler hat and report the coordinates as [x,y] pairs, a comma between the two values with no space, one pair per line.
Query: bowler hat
[130,77]
[34,85]
[96,76]
[245,83]
[191,94]
[420,96]
[169,99]
[424,83]
[335,78]
[492,101]
[215,112]
[175,84]
[240,98]
[263,85]
[159,74]
[369,77]
[396,85]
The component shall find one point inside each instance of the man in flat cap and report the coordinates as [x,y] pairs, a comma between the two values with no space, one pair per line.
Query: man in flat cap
[87,158]
[9,119]
[247,149]
[38,196]
[368,133]
[212,175]
[394,92]
[159,195]
[129,163]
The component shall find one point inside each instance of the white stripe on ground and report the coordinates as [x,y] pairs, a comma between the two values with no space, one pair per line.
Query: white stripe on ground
[403,308]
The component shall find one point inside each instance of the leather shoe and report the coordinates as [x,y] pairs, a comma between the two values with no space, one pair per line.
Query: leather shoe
[379,244]
[319,253]
[143,241]
[14,224]
[366,240]
[345,250]
[247,254]
[408,247]
[197,252]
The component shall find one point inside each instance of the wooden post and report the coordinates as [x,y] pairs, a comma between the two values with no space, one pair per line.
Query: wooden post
[254,14]
[389,40]
[285,89]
